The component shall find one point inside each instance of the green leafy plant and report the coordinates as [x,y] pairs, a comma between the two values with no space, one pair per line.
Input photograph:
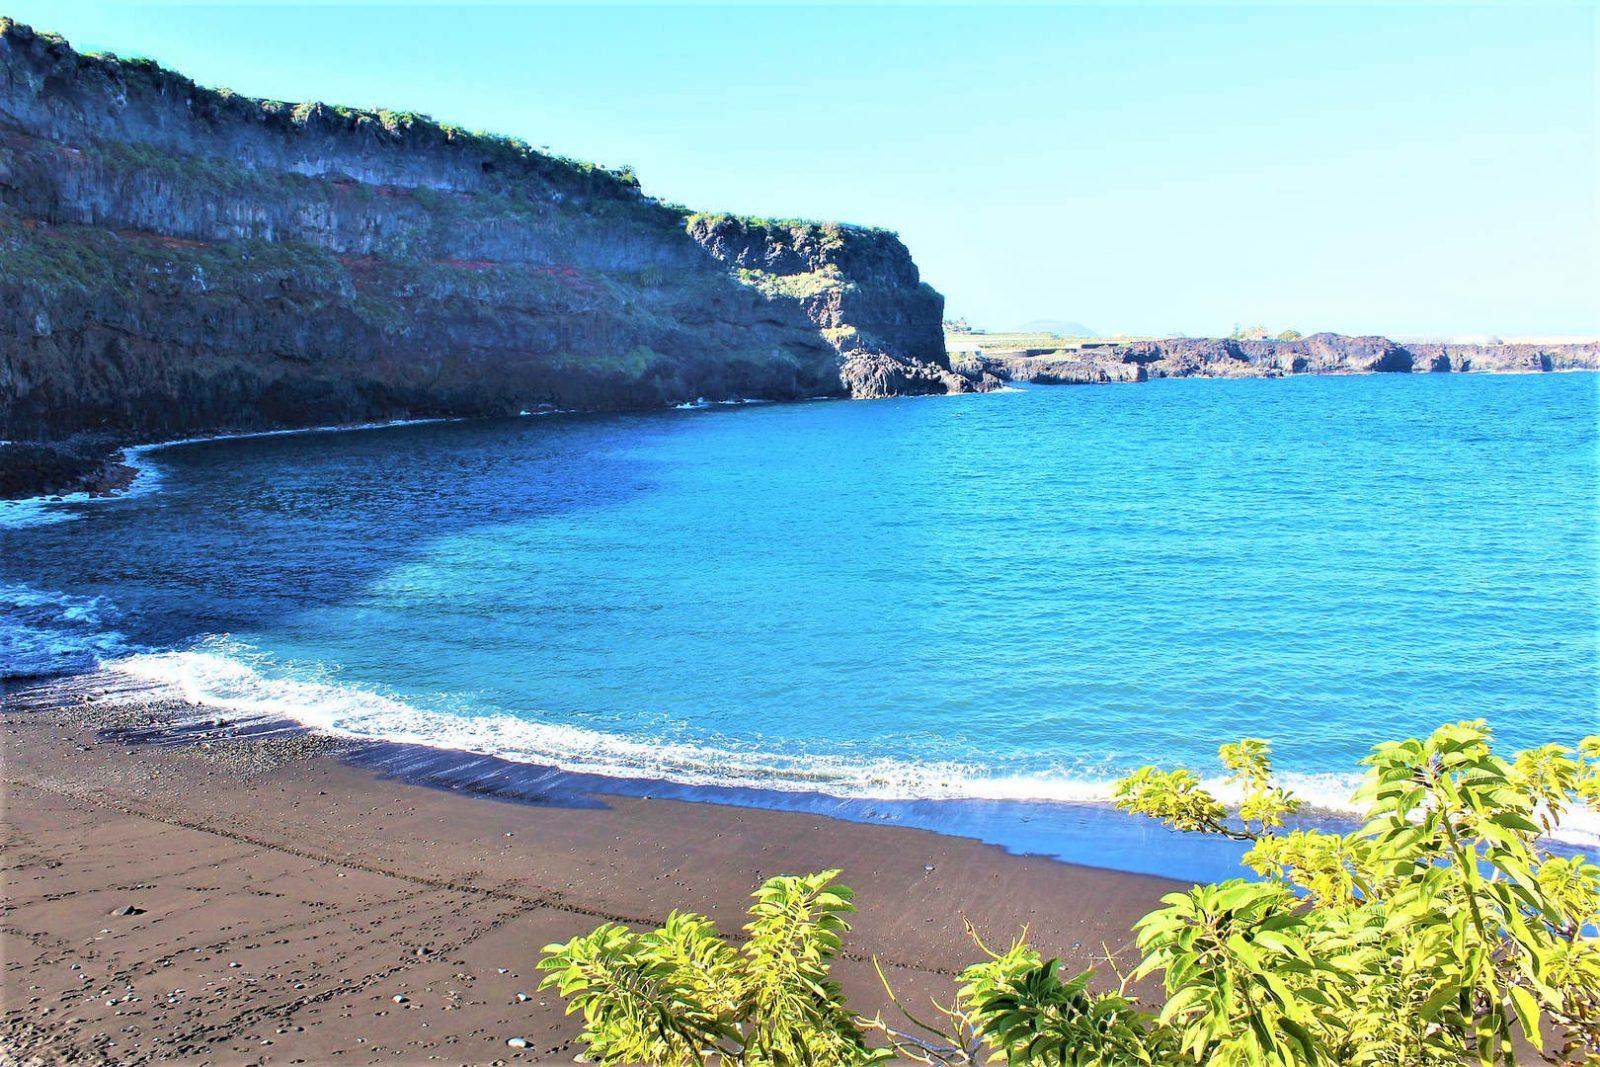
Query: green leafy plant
[681,995]
[1440,931]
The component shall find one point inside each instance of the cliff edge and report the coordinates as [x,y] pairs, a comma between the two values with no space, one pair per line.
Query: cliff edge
[178,260]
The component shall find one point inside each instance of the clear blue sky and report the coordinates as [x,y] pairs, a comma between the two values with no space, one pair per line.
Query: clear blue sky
[1143,169]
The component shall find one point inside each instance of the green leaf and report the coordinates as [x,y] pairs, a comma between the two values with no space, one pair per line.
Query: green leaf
[1527,1010]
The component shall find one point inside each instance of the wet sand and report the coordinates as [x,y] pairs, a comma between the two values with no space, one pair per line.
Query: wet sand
[285,898]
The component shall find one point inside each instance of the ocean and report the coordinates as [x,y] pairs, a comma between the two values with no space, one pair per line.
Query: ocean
[965,613]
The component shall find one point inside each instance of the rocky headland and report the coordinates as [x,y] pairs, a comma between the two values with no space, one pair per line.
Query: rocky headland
[178,260]
[1091,362]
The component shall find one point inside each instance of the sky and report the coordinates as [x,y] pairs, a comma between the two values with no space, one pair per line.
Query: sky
[1428,170]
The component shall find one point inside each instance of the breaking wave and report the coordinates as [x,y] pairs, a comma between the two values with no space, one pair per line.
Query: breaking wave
[44,633]
[224,674]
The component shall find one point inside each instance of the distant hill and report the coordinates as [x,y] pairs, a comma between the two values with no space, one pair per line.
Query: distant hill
[1063,327]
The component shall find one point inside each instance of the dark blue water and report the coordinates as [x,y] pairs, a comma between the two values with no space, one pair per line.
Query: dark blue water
[1006,599]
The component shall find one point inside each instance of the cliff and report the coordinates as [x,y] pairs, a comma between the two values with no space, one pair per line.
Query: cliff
[1323,353]
[177,260]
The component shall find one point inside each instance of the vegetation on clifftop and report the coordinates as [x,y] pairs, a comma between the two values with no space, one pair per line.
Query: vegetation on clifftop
[828,234]
[485,188]
[410,128]
[1439,932]
[180,260]
[492,153]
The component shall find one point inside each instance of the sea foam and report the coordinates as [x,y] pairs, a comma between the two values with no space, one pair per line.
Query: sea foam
[42,510]
[224,674]
[52,633]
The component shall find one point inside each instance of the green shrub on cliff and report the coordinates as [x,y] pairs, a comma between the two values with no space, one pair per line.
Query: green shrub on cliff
[794,286]
[1439,932]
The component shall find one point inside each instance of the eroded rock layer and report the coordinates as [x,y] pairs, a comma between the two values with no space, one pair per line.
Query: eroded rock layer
[176,260]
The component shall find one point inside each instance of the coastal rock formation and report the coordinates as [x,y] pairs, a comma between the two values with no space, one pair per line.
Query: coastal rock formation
[87,463]
[891,347]
[1322,353]
[177,260]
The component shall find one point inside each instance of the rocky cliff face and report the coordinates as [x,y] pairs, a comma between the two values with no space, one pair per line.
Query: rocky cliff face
[175,259]
[1323,353]
[890,347]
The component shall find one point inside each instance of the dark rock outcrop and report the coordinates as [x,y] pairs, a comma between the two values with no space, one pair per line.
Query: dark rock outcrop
[177,260]
[1323,353]
[88,464]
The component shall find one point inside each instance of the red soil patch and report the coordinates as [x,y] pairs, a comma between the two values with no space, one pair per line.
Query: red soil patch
[361,268]
[364,269]
[563,273]
[162,239]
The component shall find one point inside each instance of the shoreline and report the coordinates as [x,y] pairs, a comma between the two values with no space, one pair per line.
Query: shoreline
[1072,820]
[25,511]
[131,709]
[15,511]
[287,894]
[1082,828]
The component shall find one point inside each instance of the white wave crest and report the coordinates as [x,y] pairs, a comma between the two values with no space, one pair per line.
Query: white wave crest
[40,510]
[37,511]
[224,674]
[52,633]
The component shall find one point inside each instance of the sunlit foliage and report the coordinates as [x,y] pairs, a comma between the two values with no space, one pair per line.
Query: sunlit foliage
[1440,931]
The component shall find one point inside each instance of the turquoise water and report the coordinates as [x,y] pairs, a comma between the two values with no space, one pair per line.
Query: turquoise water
[1003,598]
